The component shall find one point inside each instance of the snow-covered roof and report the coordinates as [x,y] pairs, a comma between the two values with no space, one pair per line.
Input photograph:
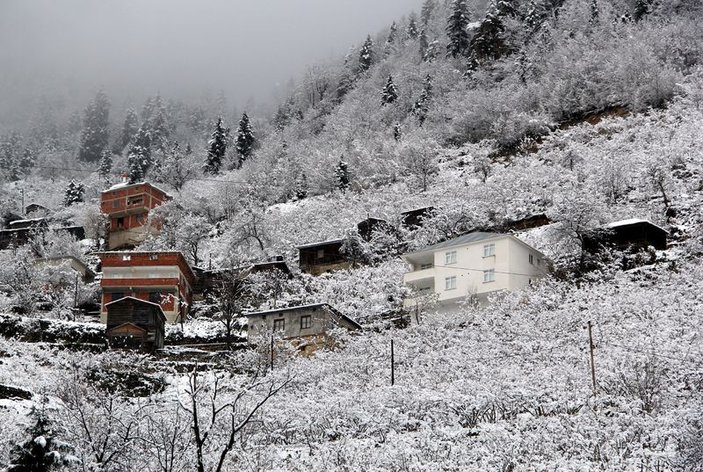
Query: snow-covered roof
[320,243]
[632,221]
[125,185]
[29,220]
[462,240]
[413,210]
[134,298]
[303,307]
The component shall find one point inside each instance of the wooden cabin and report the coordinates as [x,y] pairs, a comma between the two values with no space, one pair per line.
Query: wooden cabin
[413,219]
[632,233]
[325,256]
[367,227]
[135,323]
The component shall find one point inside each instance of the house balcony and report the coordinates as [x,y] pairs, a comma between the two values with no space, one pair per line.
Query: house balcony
[419,275]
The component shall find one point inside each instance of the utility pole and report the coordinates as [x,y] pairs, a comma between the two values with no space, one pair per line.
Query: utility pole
[272,353]
[593,366]
[392,364]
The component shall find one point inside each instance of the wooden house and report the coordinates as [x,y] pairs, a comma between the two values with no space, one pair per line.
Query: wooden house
[162,277]
[306,326]
[367,227]
[127,206]
[625,234]
[321,257]
[413,219]
[136,323]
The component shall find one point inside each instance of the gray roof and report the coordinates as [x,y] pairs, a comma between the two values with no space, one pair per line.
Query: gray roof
[320,243]
[303,307]
[462,240]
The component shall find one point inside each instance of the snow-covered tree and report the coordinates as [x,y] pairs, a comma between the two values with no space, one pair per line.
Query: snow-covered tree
[412,30]
[177,168]
[392,37]
[642,9]
[397,132]
[423,45]
[96,132]
[156,121]
[489,42]
[217,147]
[389,94]
[73,194]
[301,186]
[105,165]
[129,129]
[43,451]
[595,11]
[341,174]
[245,139]
[421,105]
[366,55]
[457,29]
[428,7]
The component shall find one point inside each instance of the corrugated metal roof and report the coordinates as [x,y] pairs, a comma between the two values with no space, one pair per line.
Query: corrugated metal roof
[462,240]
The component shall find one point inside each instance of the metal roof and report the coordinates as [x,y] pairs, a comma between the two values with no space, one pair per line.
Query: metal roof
[633,221]
[302,307]
[462,240]
[320,243]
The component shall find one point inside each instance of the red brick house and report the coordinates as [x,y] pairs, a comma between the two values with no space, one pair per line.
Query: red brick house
[127,206]
[162,277]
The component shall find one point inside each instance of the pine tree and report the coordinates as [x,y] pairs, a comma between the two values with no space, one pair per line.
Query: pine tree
[428,7]
[245,139]
[105,166]
[156,123]
[217,147]
[11,155]
[42,452]
[457,29]
[366,56]
[423,45]
[129,129]
[392,37]
[301,186]
[642,9]
[135,164]
[397,132]
[421,105]
[341,174]
[412,30]
[488,43]
[73,194]
[534,17]
[390,92]
[595,11]
[141,145]
[95,132]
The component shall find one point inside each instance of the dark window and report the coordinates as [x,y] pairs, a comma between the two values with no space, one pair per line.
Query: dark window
[305,322]
[138,200]
[120,222]
[155,297]
[279,325]
[532,259]
[117,296]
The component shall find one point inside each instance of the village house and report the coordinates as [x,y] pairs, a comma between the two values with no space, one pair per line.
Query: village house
[132,322]
[306,326]
[475,264]
[162,277]
[634,232]
[321,257]
[127,206]
[81,270]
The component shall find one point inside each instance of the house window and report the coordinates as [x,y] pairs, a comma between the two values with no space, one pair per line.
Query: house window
[305,322]
[320,253]
[155,297]
[425,266]
[153,257]
[450,283]
[489,250]
[115,204]
[126,257]
[489,275]
[450,257]
[279,325]
[138,200]
[120,223]
[531,259]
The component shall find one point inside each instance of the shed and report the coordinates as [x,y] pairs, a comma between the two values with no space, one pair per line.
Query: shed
[321,257]
[414,218]
[367,227]
[135,323]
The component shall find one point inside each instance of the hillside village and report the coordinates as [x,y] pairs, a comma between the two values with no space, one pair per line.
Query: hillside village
[473,243]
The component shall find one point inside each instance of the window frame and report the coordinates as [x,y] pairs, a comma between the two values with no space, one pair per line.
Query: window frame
[279,324]
[306,322]
[450,257]
[450,283]
[489,275]
[531,259]
[489,250]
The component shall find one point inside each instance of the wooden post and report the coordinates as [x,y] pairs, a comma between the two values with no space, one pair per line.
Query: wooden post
[593,366]
[75,294]
[392,364]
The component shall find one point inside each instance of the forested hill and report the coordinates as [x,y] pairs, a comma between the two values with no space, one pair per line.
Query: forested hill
[582,112]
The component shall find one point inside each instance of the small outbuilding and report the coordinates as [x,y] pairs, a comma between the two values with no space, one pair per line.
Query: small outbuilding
[636,232]
[370,225]
[325,256]
[413,219]
[307,325]
[135,323]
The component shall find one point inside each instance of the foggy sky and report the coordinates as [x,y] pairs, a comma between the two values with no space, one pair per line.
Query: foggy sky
[176,47]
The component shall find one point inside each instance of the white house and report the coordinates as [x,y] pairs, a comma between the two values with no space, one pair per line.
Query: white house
[475,264]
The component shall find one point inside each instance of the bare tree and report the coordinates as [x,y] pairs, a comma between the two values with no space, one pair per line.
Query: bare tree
[166,438]
[218,417]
